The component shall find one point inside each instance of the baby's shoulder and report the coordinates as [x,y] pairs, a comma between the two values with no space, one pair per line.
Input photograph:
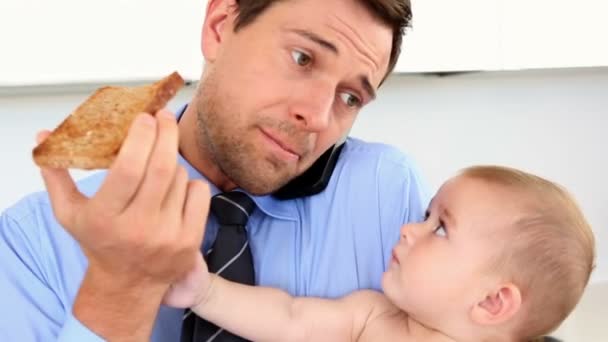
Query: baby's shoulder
[386,322]
[371,305]
[370,297]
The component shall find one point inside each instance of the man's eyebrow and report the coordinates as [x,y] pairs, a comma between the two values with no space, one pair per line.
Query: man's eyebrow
[324,43]
[367,85]
[317,39]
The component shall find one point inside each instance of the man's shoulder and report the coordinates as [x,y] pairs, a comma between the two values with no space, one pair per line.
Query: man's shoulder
[383,160]
[41,257]
[30,228]
[38,204]
[365,149]
[380,176]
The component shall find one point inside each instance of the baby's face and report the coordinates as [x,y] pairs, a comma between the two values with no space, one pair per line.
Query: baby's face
[440,267]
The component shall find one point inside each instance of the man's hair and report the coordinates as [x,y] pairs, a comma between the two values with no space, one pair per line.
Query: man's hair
[548,251]
[395,13]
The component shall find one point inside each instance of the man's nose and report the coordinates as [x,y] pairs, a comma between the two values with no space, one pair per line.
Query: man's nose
[313,104]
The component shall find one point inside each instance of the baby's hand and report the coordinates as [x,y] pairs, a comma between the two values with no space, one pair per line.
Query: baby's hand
[190,290]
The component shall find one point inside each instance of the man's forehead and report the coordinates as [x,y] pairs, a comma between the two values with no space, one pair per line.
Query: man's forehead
[348,19]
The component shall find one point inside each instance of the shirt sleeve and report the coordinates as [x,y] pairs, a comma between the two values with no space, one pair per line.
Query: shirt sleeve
[31,310]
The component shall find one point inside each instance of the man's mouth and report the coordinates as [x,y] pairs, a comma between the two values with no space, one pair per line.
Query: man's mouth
[288,151]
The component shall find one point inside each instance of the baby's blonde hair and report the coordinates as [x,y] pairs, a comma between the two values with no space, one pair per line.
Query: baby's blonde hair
[549,250]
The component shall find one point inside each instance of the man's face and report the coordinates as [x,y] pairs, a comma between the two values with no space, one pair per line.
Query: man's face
[282,90]
[441,267]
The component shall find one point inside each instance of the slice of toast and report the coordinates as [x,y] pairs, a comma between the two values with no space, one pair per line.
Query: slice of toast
[91,136]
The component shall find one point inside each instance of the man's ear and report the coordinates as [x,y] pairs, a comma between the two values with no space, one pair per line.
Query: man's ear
[498,306]
[218,18]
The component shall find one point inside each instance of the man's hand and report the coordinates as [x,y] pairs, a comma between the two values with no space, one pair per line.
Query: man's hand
[140,232]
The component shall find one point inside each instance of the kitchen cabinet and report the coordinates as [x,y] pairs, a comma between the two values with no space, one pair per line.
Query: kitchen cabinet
[448,35]
[75,41]
[468,35]
[554,33]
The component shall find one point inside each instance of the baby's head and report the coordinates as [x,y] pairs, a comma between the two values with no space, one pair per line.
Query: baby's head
[502,253]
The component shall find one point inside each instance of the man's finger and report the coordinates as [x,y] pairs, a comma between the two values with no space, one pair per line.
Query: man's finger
[127,171]
[160,172]
[66,199]
[41,136]
[175,199]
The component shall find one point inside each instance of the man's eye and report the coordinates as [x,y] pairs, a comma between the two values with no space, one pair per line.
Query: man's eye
[350,100]
[301,58]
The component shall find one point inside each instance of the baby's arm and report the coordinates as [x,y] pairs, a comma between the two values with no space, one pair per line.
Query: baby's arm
[268,314]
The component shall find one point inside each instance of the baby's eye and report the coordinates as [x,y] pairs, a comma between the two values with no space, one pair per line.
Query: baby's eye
[301,58]
[350,100]
[440,231]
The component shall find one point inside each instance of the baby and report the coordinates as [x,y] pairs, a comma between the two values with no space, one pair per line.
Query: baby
[502,255]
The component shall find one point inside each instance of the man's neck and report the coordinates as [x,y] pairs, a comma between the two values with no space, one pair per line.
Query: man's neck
[198,157]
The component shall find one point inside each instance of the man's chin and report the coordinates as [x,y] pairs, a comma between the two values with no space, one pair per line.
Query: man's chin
[261,187]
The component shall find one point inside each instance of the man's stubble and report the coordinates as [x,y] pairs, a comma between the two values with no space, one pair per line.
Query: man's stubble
[223,136]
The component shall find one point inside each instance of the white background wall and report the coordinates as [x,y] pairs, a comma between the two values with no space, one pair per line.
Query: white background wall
[63,41]
[550,122]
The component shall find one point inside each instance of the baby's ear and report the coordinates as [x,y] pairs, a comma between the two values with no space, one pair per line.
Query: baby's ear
[499,305]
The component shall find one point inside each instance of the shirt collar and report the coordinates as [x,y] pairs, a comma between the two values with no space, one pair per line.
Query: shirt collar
[271,206]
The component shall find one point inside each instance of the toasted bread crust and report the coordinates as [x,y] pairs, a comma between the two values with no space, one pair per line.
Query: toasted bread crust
[91,136]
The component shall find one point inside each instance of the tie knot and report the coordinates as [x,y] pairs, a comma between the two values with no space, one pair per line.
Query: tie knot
[232,208]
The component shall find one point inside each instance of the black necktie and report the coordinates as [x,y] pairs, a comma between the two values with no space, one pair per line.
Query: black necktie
[229,257]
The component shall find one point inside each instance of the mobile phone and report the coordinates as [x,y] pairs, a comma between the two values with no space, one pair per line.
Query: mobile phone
[315,179]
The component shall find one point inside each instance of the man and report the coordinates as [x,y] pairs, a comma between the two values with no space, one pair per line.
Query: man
[283,83]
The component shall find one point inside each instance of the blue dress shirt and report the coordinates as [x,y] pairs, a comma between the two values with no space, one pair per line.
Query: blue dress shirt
[324,245]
